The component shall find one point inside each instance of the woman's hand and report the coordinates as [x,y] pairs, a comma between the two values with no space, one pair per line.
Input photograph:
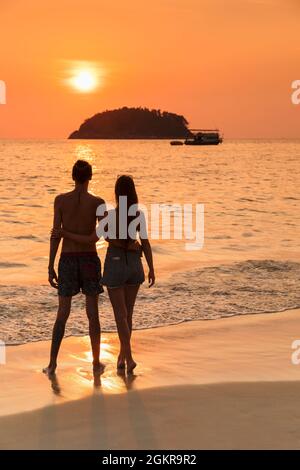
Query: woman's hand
[151,278]
[57,233]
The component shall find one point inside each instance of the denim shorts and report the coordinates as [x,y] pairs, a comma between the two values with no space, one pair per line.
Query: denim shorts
[79,272]
[122,267]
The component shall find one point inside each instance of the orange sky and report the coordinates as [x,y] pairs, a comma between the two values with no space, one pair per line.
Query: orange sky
[226,63]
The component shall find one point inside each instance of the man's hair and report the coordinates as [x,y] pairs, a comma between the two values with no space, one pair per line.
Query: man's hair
[82,171]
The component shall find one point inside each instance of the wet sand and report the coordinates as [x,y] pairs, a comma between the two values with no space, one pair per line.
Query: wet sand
[226,383]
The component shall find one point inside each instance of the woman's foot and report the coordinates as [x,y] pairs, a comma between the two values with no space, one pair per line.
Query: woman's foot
[131,365]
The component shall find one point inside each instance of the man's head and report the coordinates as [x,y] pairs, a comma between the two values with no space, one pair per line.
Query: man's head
[82,172]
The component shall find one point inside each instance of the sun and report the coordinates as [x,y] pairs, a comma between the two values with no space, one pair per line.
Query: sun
[83,76]
[84,81]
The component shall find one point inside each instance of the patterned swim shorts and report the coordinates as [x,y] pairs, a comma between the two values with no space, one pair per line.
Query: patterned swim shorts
[79,272]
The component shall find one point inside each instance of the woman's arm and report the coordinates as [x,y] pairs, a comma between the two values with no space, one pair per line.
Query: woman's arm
[146,247]
[58,233]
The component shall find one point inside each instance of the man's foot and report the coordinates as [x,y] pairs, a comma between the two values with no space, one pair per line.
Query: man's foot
[50,370]
[98,367]
[121,363]
[131,366]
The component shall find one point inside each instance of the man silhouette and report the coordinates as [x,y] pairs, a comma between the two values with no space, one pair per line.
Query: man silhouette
[79,267]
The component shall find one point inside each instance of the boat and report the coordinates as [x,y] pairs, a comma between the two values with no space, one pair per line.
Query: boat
[204,137]
[176,142]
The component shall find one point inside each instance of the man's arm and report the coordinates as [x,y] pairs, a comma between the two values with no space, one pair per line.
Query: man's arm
[54,243]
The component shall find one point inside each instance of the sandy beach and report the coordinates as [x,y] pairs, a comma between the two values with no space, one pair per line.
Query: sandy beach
[174,124]
[226,384]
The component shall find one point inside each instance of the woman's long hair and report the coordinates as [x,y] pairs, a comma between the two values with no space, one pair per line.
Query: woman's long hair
[125,187]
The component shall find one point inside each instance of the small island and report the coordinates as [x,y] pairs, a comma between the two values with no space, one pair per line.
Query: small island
[133,123]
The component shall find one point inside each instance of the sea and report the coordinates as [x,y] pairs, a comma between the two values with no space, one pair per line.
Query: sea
[250,259]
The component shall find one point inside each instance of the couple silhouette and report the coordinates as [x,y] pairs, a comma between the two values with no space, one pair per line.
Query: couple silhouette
[79,267]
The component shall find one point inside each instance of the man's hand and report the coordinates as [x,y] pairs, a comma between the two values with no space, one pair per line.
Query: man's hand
[151,278]
[52,278]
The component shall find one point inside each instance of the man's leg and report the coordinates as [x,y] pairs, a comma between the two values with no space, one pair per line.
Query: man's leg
[64,308]
[94,329]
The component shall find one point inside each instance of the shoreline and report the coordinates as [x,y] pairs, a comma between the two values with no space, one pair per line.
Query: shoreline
[229,382]
[166,325]
[218,299]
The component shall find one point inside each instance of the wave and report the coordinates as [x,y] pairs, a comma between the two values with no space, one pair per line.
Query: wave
[26,237]
[27,313]
[7,264]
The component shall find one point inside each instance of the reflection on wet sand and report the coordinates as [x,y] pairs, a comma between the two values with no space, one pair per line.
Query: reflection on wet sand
[54,384]
[78,378]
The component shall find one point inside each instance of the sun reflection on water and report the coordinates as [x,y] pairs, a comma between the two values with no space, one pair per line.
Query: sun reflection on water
[85,152]
[86,356]
[110,381]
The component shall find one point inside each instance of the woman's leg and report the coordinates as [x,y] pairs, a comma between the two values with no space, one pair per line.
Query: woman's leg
[130,298]
[64,308]
[117,298]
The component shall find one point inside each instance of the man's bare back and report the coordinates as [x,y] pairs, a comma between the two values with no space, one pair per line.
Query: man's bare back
[77,211]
